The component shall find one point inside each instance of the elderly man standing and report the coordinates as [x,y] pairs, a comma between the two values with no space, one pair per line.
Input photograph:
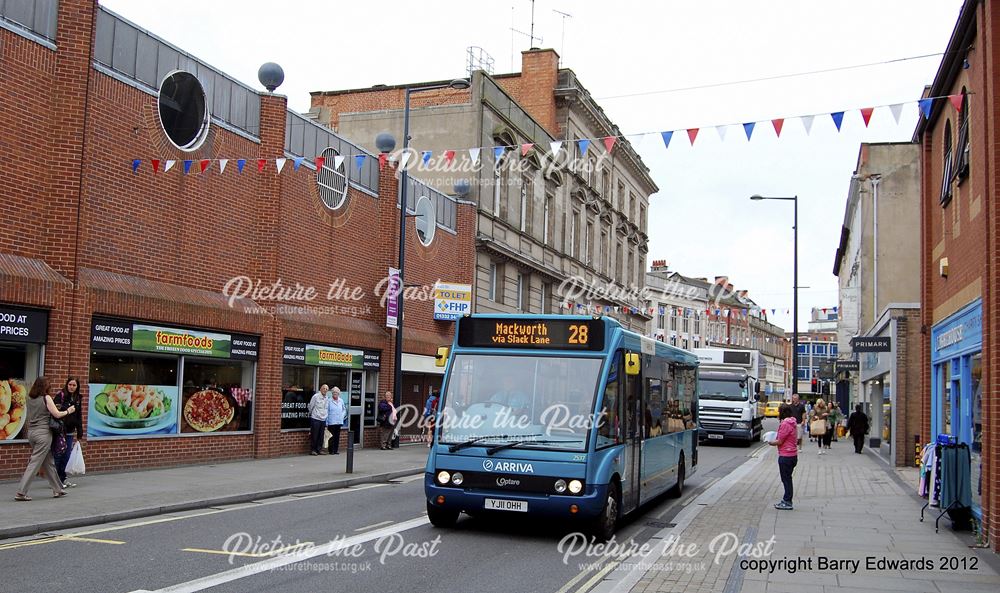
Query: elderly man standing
[798,410]
[317,420]
[336,415]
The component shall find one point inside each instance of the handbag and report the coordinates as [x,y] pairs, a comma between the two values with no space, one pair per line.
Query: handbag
[55,424]
[817,427]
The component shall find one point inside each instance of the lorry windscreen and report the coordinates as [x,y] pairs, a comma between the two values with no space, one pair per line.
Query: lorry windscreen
[722,389]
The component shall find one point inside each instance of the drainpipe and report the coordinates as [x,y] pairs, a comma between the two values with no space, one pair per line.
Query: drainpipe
[875,181]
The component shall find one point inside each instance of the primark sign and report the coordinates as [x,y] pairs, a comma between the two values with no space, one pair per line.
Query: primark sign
[882,344]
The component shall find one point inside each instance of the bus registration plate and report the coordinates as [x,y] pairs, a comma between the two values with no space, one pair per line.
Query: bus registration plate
[494,504]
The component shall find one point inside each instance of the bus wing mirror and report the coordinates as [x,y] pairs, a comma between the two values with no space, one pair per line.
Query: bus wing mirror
[756,388]
[631,363]
[441,358]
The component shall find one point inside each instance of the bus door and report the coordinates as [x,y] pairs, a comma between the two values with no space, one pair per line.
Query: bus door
[632,416]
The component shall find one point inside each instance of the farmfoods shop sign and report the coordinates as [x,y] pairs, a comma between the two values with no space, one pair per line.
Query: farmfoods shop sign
[113,334]
[328,356]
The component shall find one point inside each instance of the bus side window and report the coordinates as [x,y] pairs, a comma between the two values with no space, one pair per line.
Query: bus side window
[609,423]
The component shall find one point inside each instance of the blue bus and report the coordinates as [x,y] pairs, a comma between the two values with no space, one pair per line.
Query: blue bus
[570,417]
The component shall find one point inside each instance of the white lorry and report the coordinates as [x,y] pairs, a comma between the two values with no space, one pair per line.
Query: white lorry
[728,388]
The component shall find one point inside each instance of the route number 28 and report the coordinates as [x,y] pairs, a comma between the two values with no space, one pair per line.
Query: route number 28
[578,334]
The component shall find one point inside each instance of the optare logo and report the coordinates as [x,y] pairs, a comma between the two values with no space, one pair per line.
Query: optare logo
[508,466]
[503,482]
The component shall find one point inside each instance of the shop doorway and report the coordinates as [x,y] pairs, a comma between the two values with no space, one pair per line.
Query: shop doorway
[416,390]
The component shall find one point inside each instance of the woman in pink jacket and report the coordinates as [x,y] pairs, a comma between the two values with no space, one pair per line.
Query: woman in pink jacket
[788,453]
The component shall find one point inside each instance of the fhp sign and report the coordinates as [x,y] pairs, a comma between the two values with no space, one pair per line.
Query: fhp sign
[452,301]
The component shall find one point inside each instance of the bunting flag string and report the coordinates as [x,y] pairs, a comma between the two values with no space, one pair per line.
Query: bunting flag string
[924,108]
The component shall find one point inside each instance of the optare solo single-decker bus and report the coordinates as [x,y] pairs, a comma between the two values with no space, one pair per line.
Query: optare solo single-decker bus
[568,417]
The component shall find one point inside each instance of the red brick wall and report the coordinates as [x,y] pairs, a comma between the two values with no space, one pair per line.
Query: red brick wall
[534,89]
[365,100]
[181,238]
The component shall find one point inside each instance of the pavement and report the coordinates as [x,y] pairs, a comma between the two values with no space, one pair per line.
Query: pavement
[107,497]
[848,507]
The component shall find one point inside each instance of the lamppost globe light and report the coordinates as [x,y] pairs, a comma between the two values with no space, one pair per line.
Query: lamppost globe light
[462,188]
[271,76]
[385,142]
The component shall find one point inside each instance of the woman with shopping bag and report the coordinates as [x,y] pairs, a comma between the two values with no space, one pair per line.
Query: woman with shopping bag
[817,422]
[41,417]
[68,396]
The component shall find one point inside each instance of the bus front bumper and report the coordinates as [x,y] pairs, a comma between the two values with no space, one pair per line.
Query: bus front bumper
[588,505]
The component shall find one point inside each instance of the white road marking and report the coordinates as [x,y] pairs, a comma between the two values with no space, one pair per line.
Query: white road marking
[272,563]
[373,526]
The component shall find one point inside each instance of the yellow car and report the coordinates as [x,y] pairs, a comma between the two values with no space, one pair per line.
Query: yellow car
[771,410]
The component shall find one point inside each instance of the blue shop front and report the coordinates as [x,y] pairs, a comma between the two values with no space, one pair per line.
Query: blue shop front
[956,385]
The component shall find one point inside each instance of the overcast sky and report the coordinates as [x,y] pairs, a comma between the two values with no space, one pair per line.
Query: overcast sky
[701,221]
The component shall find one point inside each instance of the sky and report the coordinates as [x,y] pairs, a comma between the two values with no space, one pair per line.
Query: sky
[633,56]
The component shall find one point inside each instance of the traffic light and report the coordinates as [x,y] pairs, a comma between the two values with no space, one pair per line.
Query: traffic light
[826,388]
[814,385]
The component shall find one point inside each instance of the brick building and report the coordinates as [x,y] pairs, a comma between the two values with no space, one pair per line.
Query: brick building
[124,276]
[960,253]
[558,207]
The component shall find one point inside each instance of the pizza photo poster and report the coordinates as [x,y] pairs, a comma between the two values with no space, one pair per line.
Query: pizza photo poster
[211,410]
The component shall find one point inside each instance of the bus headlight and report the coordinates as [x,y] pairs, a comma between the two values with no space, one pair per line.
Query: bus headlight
[560,486]
[575,486]
[457,478]
[443,477]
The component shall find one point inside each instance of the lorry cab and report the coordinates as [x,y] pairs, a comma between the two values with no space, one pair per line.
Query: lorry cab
[728,393]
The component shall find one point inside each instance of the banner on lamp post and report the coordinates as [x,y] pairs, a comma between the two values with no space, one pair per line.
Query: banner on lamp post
[392,303]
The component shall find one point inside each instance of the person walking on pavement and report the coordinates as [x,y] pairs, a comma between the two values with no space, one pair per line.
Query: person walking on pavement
[798,411]
[858,425]
[68,396]
[40,408]
[788,456]
[430,412]
[336,417]
[317,420]
[818,422]
[386,419]
[831,424]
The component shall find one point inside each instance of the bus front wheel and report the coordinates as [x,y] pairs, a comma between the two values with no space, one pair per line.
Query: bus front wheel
[441,517]
[606,523]
[678,488]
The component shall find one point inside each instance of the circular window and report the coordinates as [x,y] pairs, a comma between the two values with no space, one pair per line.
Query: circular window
[183,110]
[332,181]
[425,221]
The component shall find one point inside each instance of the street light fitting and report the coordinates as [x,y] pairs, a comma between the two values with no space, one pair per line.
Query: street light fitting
[756,197]
[462,188]
[460,84]
[385,142]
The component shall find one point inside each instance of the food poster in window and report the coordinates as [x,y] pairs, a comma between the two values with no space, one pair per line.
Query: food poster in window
[13,399]
[216,397]
[120,409]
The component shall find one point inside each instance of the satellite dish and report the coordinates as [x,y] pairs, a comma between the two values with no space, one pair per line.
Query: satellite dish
[426,220]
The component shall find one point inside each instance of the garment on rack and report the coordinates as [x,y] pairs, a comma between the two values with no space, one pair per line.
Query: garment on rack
[934,484]
[956,486]
[926,461]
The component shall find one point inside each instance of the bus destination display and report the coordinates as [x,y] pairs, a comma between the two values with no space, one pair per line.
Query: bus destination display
[552,334]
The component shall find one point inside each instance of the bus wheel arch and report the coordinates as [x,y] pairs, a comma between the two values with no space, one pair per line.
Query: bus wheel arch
[604,525]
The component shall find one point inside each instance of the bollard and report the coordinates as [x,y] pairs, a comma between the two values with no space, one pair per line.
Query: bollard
[350,451]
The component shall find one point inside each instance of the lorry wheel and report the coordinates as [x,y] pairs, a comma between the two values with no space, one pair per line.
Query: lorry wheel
[678,488]
[604,525]
[441,517]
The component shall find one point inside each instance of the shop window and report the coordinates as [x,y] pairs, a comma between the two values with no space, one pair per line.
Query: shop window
[18,370]
[183,110]
[946,395]
[331,181]
[298,386]
[206,412]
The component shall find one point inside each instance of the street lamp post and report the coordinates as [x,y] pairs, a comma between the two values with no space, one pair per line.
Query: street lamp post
[795,286]
[383,142]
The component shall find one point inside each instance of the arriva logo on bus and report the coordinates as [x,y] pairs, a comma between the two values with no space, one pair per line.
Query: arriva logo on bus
[507,466]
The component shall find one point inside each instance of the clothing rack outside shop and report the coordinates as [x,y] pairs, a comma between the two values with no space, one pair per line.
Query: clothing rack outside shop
[945,480]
